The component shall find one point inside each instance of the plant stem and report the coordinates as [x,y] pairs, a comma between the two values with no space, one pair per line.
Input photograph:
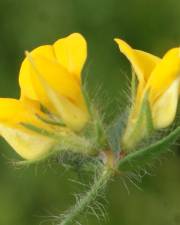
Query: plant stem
[89,197]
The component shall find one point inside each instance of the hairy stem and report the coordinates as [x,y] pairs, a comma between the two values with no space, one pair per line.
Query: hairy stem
[88,198]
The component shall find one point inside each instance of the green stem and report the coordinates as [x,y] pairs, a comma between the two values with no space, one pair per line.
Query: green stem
[88,198]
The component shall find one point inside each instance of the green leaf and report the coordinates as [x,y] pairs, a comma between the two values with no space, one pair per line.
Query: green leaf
[144,156]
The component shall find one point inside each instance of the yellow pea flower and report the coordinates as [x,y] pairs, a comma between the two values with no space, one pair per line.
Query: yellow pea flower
[159,81]
[51,74]
[51,100]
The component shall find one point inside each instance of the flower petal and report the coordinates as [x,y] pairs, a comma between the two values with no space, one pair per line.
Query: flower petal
[25,78]
[71,52]
[142,62]
[164,74]
[28,144]
[72,115]
[13,111]
[164,109]
[55,75]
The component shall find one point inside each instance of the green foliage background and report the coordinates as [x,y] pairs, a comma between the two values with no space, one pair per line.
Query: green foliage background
[31,195]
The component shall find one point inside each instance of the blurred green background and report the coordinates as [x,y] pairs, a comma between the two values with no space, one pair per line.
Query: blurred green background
[32,195]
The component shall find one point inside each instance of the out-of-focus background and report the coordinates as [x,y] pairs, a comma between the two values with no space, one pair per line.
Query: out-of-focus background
[34,194]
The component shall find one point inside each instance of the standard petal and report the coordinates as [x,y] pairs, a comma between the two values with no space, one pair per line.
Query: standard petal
[164,74]
[142,62]
[164,109]
[55,75]
[25,78]
[71,52]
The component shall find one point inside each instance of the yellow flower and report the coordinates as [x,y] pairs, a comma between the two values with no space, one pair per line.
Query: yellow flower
[51,99]
[51,74]
[159,80]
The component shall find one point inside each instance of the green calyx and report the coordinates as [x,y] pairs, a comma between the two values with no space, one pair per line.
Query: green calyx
[138,128]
